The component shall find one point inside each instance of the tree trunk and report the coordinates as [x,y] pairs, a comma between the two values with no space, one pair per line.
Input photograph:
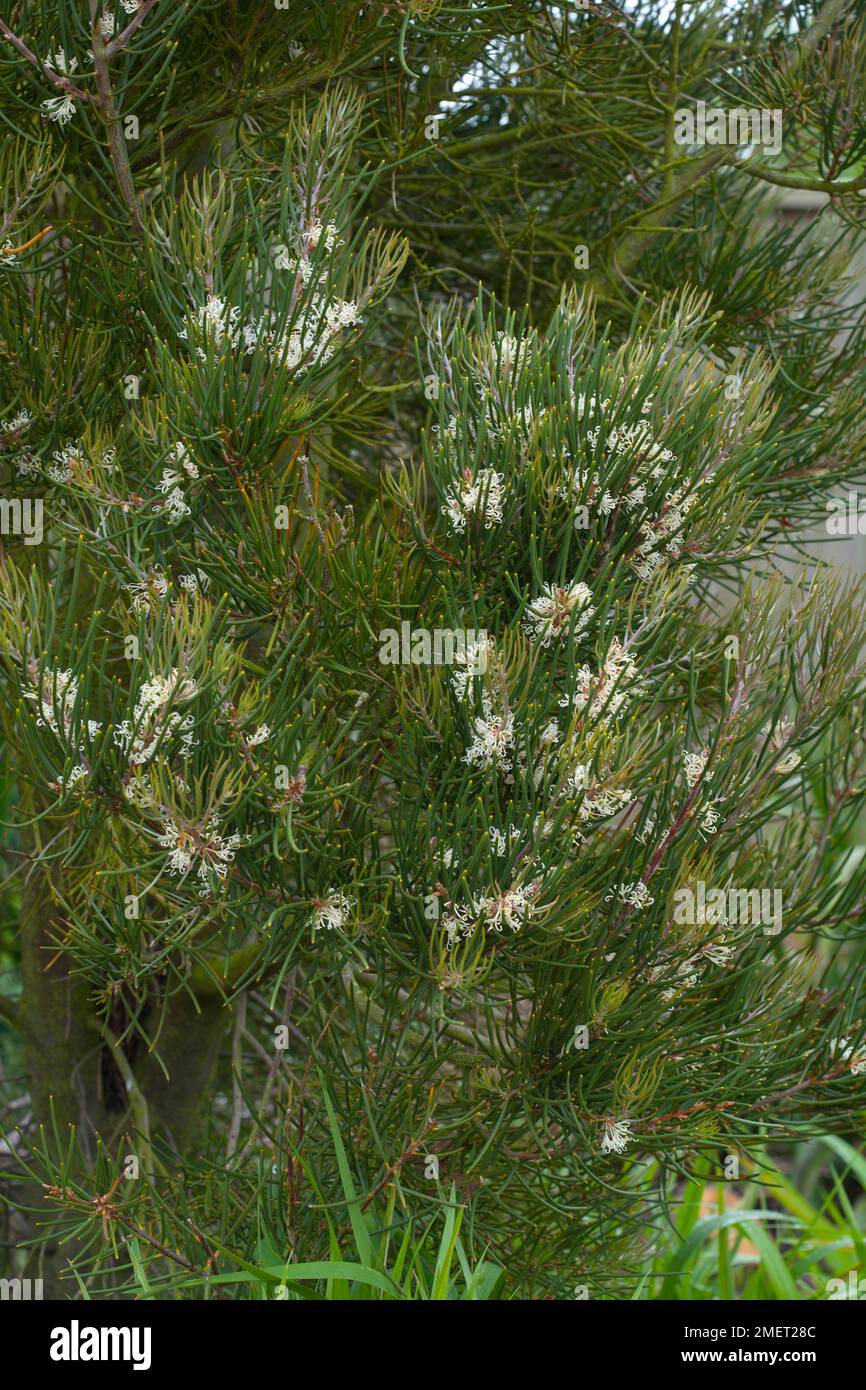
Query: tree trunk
[73,1077]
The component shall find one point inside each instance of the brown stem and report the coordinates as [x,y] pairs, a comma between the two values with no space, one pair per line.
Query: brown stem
[116,142]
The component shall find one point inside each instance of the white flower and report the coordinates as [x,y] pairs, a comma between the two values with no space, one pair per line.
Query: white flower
[470,659]
[509,909]
[587,405]
[60,109]
[598,802]
[130,6]
[148,591]
[855,1057]
[502,840]
[181,455]
[61,62]
[664,531]
[175,505]
[632,894]
[718,952]
[480,496]
[169,480]
[342,313]
[213,851]
[56,700]
[709,821]
[217,321]
[16,422]
[511,353]
[107,25]
[139,792]
[694,764]
[261,734]
[458,922]
[314,234]
[331,911]
[153,722]
[493,740]
[66,461]
[637,441]
[550,616]
[790,759]
[616,1136]
[604,693]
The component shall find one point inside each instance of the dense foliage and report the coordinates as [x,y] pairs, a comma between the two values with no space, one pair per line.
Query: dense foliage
[436,761]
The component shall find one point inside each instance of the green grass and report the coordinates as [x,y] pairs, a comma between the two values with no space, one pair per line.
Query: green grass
[777,1236]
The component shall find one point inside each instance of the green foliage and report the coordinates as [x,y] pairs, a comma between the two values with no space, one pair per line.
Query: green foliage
[776,1236]
[304,919]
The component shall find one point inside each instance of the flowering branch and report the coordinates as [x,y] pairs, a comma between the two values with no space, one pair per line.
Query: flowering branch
[122,39]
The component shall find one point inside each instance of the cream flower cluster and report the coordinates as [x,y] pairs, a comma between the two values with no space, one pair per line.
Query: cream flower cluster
[67,463]
[598,802]
[154,721]
[492,738]
[634,895]
[471,659]
[511,908]
[502,840]
[56,695]
[661,536]
[479,496]
[170,484]
[685,974]
[558,610]
[310,342]
[855,1057]
[602,694]
[61,108]
[207,848]
[616,1136]
[332,911]
[778,741]
[16,423]
[694,765]
[149,592]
